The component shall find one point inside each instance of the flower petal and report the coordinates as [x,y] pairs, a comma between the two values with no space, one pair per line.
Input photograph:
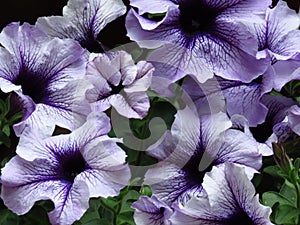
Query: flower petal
[108,173]
[155,6]
[150,210]
[83,21]
[131,105]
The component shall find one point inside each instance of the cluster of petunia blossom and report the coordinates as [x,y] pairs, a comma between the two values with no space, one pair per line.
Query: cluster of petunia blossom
[229,56]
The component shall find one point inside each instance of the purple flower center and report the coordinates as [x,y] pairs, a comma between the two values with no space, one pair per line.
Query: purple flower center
[191,168]
[196,16]
[33,85]
[92,45]
[114,90]
[240,218]
[71,165]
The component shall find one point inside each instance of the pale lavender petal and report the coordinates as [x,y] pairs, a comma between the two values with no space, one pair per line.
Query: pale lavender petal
[71,204]
[150,210]
[155,6]
[32,142]
[118,82]
[83,21]
[285,71]
[240,9]
[144,77]
[294,119]
[170,183]
[274,34]
[241,98]
[108,173]
[238,148]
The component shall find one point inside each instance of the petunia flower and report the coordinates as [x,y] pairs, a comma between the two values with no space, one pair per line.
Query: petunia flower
[192,148]
[150,210]
[240,97]
[82,21]
[199,34]
[67,169]
[231,200]
[44,73]
[278,38]
[120,83]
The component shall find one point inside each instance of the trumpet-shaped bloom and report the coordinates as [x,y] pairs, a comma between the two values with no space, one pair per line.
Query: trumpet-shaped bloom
[45,73]
[199,35]
[150,210]
[278,38]
[231,200]
[83,21]
[192,148]
[120,83]
[67,169]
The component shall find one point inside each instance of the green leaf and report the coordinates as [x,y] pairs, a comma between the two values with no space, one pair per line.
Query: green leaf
[146,190]
[6,130]
[287,214]
[4,161]
[270,198]
[92,212]
[155,15]
[4,139]
[37,215]
[125,219]
[288,190]
[13,119]
[127,201]
[8,218]
[272,170]
[3,109]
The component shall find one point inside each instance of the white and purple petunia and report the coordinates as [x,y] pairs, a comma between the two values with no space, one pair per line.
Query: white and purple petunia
[45,73]
[240,97]
[67,169]
[231,200]
[150,210]
[200,37]
[120,83]
[192,147]
[82,21]
[278,37]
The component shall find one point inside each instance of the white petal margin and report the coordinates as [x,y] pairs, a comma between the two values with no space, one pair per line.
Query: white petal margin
[82,16]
